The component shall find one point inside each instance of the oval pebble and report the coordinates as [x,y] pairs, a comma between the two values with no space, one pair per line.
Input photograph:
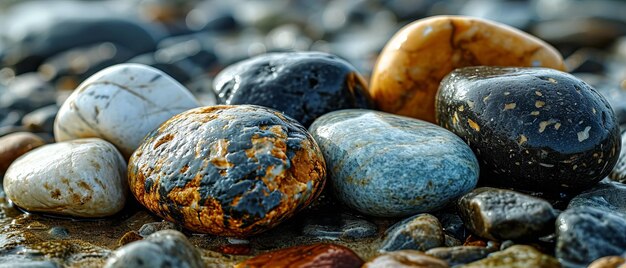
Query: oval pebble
[84,178]
[121,104]
[405,259]
[531,128]
[408,71]
[303,85]
[387,165]
[15,145]
[227,170]
[167,248]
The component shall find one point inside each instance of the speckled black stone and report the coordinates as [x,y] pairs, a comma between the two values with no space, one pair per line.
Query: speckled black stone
[303,85]
[619,172]
[531,128]
[585,234]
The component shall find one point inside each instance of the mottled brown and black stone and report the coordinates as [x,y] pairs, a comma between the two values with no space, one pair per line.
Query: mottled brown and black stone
[531,128]
[227,170]
[303,85]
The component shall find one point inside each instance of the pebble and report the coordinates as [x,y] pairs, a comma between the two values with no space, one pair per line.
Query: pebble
[619,172]
[303,85]
[518,256]
[59,232]
[609,262]
[166,248]
[459,255]
[387,165]
[405,259]
[121,104]
[153,227]
[234,170]
[15,145]
[84,178]
[28,264]
[499,214]
[606,195]
[317,255]
[585,234]
[531,128]
[41,120]
[408,71]
[336,225]
[420,232]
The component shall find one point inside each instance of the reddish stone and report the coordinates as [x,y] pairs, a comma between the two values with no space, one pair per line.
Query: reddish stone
[234,249]
[318,256]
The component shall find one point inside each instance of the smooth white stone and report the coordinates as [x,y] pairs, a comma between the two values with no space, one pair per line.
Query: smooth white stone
[85,178]
[121,104]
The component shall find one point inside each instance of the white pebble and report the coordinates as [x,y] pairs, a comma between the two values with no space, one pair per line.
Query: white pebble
[85,178]
[121,104]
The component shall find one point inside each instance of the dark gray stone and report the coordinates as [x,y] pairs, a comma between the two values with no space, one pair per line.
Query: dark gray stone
[303,85]
[585,234]
[338,226]
[153,227]
[166,248]
[607,195]
[388,165]
[420,232]
[59,232]
[452,225]
[500,214]
[459,255]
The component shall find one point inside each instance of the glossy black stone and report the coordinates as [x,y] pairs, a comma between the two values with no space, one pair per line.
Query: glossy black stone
[303,85]
[531,128]
[607,195]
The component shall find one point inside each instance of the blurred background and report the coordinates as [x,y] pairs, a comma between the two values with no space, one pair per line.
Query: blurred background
[48,47]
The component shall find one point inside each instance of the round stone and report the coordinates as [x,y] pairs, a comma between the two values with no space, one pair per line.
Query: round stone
[387,165]
[303,85]
[420,232]
[15,145]
[227,170]
[410,67]
[405,259]
[121,104]
[531,128]
[84,178]
[316,255]
[166,248]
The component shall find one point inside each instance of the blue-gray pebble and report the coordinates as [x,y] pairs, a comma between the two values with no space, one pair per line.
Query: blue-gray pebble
[388,165]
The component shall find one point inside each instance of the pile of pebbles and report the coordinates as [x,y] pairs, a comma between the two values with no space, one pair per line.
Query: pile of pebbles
[312,134]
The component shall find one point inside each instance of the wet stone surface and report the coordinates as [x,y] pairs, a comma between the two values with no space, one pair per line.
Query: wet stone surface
[606,195]
[405,258]
[420,232]
[318,255]
[236,170]
[403,166]
[514,257]
[460,254]
[585,234]
[166,248]
[531,128]
[502,214]
[303,85]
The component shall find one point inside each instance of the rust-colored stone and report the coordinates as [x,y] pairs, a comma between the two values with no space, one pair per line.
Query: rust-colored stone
[472,240]
[407,75]
[15,145]
[227,170]
[234,249]
[318,256]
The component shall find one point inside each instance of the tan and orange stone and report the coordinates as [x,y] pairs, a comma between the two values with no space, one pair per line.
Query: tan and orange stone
[410,67]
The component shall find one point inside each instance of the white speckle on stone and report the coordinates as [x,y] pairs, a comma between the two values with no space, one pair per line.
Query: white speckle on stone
[583,135]
[121,104]
[85,178]
[546,165]
[427,30]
